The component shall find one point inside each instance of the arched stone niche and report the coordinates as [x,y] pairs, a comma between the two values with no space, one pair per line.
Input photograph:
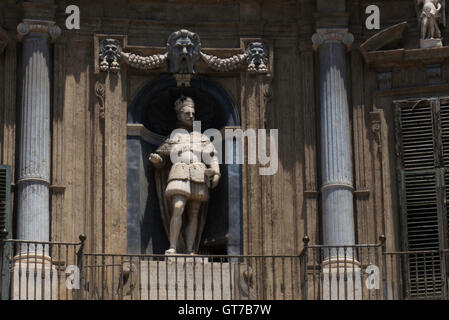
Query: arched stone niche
[151,117]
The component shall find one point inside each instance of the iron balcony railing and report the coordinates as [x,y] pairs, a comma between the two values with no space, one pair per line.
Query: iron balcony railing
[191,277]
[40,270]
[370,272]
[349,272]
[418,274]
[34,270]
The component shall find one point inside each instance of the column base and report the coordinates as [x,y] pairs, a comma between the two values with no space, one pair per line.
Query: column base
[34,278]
[341,279]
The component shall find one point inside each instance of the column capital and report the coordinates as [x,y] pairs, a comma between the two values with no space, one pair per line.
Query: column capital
[40,26]
[324,35]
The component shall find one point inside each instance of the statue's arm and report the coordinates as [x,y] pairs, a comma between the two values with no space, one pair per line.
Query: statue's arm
[160,157]
[215,178]
[157,160]
[214,166]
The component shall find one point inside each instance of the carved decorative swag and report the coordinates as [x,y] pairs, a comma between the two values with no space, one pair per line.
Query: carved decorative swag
[183,51]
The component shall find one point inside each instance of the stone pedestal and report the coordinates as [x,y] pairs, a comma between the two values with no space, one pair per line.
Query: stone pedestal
[430,43]
[184,278]
[191,280]
[34,278]
[341,280]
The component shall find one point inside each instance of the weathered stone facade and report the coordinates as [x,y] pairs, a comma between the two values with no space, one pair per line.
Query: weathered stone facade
[90,97]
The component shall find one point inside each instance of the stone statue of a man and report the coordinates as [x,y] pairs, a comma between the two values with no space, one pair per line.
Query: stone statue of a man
[430,15]
[189,178]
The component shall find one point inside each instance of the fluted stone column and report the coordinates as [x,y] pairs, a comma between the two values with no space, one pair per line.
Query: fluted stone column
[33,221]
[34,145]
[336,163]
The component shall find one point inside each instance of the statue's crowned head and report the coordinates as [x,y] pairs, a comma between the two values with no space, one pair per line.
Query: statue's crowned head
[185,110]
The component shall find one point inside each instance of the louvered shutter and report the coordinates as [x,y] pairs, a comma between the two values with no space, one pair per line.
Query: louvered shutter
[5,195]
[421,179]
[444,118]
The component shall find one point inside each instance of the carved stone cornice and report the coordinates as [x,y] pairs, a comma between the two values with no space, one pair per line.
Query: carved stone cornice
[138,130]
[332,35]
[39,26]
[39,10]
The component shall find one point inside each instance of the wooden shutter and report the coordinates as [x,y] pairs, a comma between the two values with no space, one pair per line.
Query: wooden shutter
[5,196]
[444,118]
[422,194]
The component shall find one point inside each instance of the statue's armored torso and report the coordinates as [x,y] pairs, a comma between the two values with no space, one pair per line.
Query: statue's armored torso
[430,7]
[187,161]
[189,174]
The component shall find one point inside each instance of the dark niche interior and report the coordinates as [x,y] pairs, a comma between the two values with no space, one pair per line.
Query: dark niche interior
[159,117]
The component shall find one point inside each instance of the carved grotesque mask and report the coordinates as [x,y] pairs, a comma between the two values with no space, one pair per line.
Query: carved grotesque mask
[257,56]
[110,49]
[256,51]
[183,49]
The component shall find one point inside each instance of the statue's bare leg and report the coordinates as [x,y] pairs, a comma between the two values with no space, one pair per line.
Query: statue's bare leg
[192,224]
[432,29]
[178,203]
[437,31]
[424,28]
